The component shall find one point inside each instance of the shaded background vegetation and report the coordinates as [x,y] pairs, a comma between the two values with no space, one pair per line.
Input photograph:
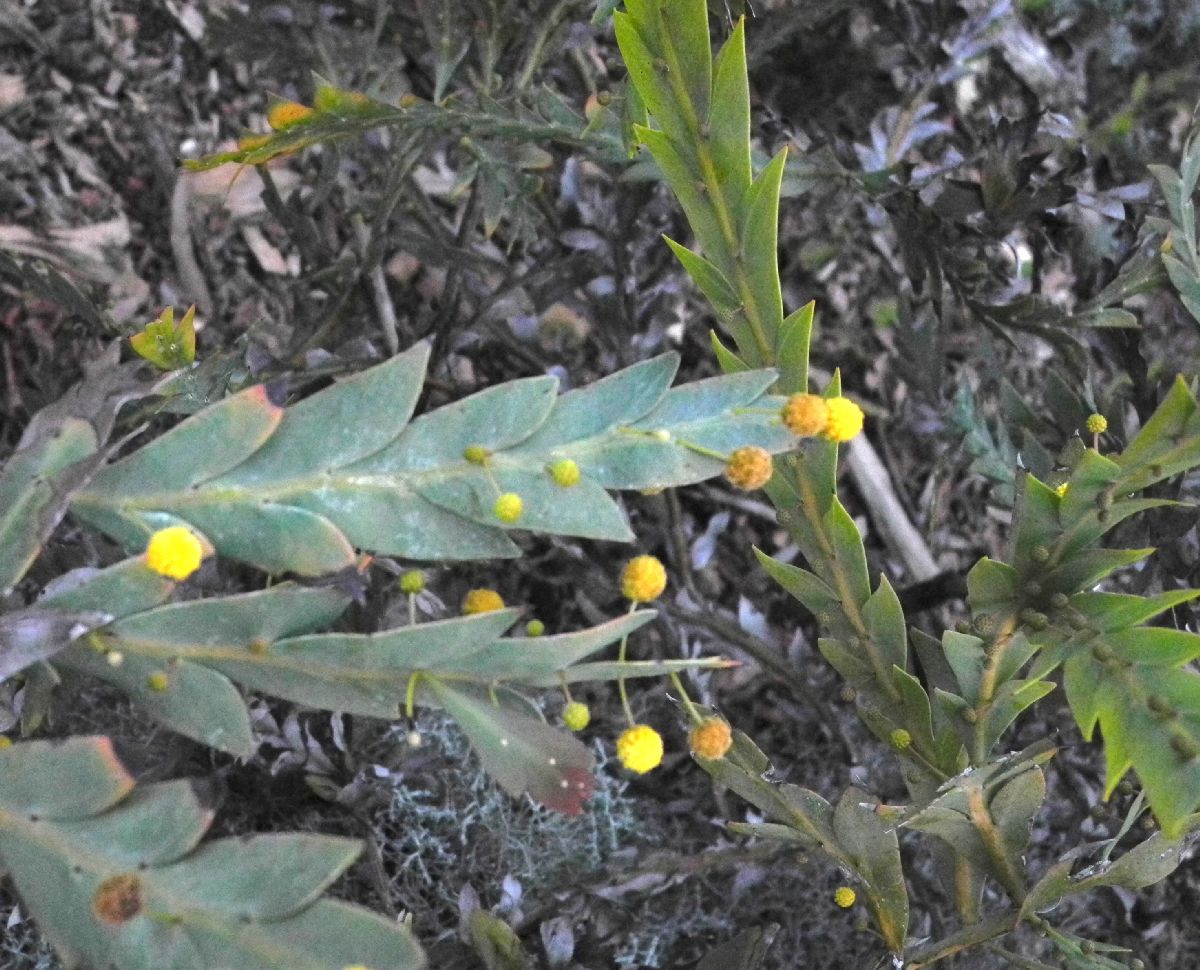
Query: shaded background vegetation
[967,184]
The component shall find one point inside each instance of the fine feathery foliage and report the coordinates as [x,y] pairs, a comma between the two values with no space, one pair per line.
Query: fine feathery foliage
[115,875]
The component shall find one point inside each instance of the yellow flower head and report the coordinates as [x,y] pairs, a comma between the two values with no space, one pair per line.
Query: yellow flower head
[845,897]
[174,552]
[845,419]
[640,748]
[900,739]
[482,601]
[158,681]
[5,742]
[643,579]
[1097,423]
[1061,490]
[287,113]
[535,628]
[565,473]
[805,414]
[476,454]
[508,507]
[576,716]
[412,581]
[749,468]
[712,738]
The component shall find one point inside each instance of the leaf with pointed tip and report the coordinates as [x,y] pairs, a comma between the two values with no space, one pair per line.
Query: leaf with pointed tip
[118,590]
[1168,443]
[729,362]
[965,655]
[808,588]
[851,664]
[29,481]
[872,843]
[65,779]
[612,401]
[914,703]
[1084,569]
[156,824]
[1014,807]
[791,350]
[169,659]
[884,617]
[630,669]
[524,754]
[532,659]
[1132,683]
[712,282]
[202,447]
[683,31]
[640,54]
[1145,864]
[991,584]
[344,423]
[114,879]
[1010,700]
[1108,612]
[683,177]
[197,701]
[1036,519]
[849,551]
[759,241]
[729,120]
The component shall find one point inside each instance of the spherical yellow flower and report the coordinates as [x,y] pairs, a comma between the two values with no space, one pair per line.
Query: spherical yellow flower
[1061,490]
[643,579]
[749,468]
[565,473]
[482,601]
[158,681]
[174,552]
[1097,423]
[712,738]
[287,113]
[508,507]
[640,748]
[412,581]
[845,897]
[476,454]
[805,414]
[576,715]
[535,628]
[845,419]
[5,742]
[900,739]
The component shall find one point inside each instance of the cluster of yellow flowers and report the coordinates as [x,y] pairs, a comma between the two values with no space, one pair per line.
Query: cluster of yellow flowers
[807,415]
[836,418]
[639,747]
